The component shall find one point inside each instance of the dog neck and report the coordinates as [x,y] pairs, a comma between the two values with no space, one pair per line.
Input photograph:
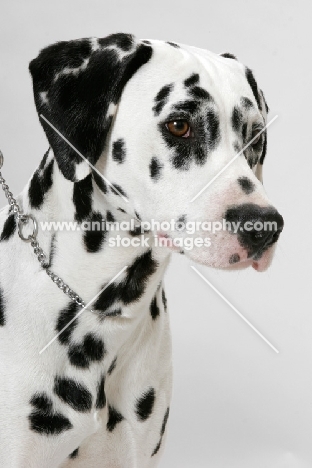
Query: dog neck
[87,260]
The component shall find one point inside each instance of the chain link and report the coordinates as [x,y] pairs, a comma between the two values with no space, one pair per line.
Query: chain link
[22,221]
[9,195]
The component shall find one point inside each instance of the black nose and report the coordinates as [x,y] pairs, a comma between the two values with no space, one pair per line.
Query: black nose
[259,227]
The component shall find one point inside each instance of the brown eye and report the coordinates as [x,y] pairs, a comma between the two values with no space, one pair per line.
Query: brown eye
[179,128]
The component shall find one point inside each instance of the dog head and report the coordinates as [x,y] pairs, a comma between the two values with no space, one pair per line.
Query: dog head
[178,131]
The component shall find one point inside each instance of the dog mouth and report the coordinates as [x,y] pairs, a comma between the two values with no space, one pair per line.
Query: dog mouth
[259,261]
[259,264]
[256,265]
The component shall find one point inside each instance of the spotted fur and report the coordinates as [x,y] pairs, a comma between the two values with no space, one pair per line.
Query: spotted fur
[99,394]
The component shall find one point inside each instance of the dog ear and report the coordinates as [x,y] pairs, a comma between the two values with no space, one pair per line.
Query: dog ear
[77,85]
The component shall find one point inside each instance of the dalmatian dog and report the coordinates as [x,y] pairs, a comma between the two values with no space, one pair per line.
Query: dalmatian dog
[155,121]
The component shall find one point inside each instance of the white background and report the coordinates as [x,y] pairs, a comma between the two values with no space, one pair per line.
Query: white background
[236,404]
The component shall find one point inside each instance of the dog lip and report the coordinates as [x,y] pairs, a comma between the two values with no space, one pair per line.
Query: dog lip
[162,235]
[239,265]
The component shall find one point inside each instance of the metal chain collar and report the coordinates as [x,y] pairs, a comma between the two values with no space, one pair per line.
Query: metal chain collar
[24,220]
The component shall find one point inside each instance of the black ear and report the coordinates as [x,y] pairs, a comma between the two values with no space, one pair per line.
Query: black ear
[77,85]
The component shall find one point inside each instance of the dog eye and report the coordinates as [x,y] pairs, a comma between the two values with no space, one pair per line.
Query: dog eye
[179,128]
[258,139]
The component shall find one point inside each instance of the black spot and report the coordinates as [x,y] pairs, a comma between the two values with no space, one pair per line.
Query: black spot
[162,431]
[74,454]
[44,159]
[192,80]
[40,184]
[107,298]
[115,187]
[246,184]
[183,151]
[137,275]
[157,448]
[73,393]
[244,132]
[48,424]
[119,151]
[180,222]
[100,397]
[155,168]
[234,258]
[162,98]
[214,128]
[34,191]
[200,155]
[80,102]
[138,216]
[265,103]
[154,309]
[42,402]
[164,424]
[146,42]
[164,299]
[189,106]
[43,419]
[114,417]
[173,44]
[112,366]
[92,349]
[246,103]
[237,119]
[163,93]
[122,210]
[82,198]
[228,55]
[65,317]
[136,231]
[77,357]
[93,239]
[2,309]
[52,250]
[253,84]
[199,93]
[110,217]
[264,149]
[9,228]
[132,287]
[145,405]
[100,182]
